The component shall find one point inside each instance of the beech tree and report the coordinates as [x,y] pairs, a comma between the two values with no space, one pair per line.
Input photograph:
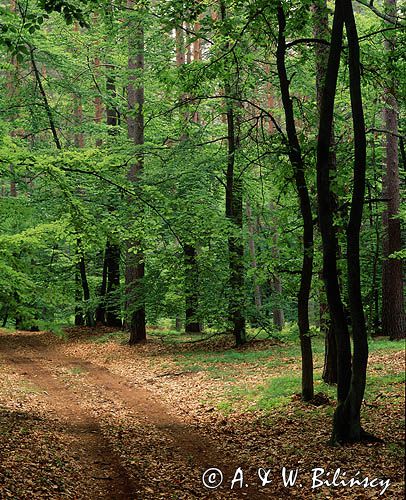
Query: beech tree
[393,312]
[134,271]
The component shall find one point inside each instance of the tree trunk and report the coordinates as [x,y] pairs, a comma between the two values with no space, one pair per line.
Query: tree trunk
[113,251]
[101,306]
[330,356]
[89,320]
[349,428]
[321,31]
[135,270]
[234,212]
[296,160]
[251,245]
[393,313]
[78,297]
[191,286]
[113,316]
[351,379]
[192,325]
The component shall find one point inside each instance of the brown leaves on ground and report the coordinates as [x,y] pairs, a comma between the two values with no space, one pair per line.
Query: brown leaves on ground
[161,419]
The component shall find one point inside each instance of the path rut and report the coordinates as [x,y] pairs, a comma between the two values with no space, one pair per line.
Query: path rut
[34,359]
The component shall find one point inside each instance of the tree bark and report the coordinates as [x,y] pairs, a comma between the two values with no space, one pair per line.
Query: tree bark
[135,271]
[351,376]
[325,209]
[113,316]
[251,246]
[321,31]
[234,212]
[113,250]
[192,325]
[101,306]
[89,319]
[348,416]
[297,163]
[393,312]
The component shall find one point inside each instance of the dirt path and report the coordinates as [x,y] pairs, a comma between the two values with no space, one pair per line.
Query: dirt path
[32,358]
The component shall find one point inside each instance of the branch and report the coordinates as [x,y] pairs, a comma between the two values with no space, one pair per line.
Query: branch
[386,17]
[384,131]
[44,97]
[307,40]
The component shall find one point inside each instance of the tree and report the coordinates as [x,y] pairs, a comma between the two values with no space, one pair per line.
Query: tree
[393,312]
[351,374]
[321,31]
[298,166]
[234,201]
[134,273]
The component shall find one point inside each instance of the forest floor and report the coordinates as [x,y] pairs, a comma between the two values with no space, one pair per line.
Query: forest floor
[87,417]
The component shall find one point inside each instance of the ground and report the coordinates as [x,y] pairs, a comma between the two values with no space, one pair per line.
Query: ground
[85,416]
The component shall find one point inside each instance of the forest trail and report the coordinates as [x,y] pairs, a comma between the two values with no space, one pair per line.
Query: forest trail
[34,359]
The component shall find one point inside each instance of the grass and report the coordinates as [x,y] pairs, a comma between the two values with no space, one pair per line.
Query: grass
[277,386]
[268,377]
[76,370]
[29,388]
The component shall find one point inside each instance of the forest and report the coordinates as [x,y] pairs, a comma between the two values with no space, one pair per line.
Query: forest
[201,248]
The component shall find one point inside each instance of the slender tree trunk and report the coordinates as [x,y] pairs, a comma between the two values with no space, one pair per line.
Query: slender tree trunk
[101,306]
[296,160]
[113,316]
[351,378]
[134,275]
[113,251]
[328,233]
[100,314]
[98,105]
[330,356]
[78,297]
[80,143]
[278,315]
[234,211]
[348,416]
[89,319]
[321,31]
[251,245]
[393,312]
[192,325]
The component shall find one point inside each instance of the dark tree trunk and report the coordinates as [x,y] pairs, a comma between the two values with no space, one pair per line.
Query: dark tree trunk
[113,316]
[321,31]
[134,275]
[191,280]
[112,252]
[251,245]
[101,307]
[296,160]
[348,416]
[234,212]
[5,316]
[78,297]
[393,312]
[325,208]
[351,379]
[89,320]
[330,356]
[192,324]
